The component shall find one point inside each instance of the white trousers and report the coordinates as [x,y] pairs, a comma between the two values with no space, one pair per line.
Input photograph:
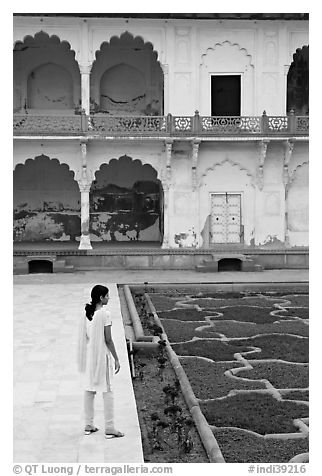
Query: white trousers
[108,400]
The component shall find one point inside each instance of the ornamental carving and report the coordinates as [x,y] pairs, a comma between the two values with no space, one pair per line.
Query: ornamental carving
[231,125]
[23,123]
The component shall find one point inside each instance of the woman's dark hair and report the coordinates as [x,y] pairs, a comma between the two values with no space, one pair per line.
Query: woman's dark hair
[96,294]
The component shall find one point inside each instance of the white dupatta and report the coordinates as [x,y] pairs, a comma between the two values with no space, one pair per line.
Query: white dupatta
[94,350]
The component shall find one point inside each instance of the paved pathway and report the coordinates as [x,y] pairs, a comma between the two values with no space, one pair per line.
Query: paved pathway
[47,394]
[48,424]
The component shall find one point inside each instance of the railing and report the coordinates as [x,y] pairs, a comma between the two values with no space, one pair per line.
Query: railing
[104,125]
[52,125]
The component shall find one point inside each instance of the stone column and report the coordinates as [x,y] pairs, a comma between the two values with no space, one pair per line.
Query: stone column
[288,150]
[166,190]
[195,192]
[85,71]
[84,184]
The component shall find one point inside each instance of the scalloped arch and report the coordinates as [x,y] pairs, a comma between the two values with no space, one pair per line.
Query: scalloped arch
[297,168]
[52,38]
[231,162]
[54,160]
[133,162]
[134,37]
[227,42]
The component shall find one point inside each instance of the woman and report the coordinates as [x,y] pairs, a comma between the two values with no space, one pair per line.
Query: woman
[96,355]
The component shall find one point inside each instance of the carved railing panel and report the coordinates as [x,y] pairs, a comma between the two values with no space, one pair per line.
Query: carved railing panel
[277,124]
[127,124]
[28,124]
[302,124]
[230,125]
[182,123]
[97,124]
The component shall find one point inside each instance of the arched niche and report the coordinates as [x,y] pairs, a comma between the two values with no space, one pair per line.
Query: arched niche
[298,203]
[126,78]
[126,202]
[122,89]
[226,59]
[46,201]
[231,178]
[30,57]
[298,83]
[50,86]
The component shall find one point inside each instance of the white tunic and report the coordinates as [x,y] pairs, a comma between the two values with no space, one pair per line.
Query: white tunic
[104,385]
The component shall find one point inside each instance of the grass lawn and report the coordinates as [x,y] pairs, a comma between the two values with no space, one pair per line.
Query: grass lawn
[280,374]
[260,413]
[208,380]
[184,314]
[187,331]
[247,329]
[212,349]
[238,446]
[283,347]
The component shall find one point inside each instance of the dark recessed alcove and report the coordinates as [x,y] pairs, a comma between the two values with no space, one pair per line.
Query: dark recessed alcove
[40,266]
[229,264]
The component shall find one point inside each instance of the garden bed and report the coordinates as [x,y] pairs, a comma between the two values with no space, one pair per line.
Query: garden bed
[160,445]
[296,395]
[215,350]
[260,413]
[209,381]
[273,346]
[279,374]
[187,331]
[239,446]
[248,329]
[251,405]
[186,314]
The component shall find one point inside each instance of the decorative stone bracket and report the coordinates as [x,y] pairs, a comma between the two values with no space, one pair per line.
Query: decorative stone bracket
[288,150]
[195,151]
[263,144]
[168,173]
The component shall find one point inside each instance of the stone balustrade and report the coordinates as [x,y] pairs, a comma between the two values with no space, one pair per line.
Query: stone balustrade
[160,126]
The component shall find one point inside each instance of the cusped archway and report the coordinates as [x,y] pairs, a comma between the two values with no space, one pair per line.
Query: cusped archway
[46,201]
[126,203]
[44,66]
[126,78]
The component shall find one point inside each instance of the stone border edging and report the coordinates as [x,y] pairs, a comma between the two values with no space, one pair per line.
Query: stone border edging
[207,437]
[137,325]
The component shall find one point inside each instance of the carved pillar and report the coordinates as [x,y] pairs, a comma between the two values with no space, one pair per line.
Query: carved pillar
[166,190]
[85,70]
[84,184]
[288,150]
[261,160]
[165,69]
[195,192]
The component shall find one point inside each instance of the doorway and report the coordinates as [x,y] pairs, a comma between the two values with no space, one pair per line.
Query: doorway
[225,95]
[225,221]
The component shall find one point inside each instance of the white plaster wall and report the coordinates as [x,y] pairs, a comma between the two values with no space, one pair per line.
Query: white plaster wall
[180,45]
[298,206]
